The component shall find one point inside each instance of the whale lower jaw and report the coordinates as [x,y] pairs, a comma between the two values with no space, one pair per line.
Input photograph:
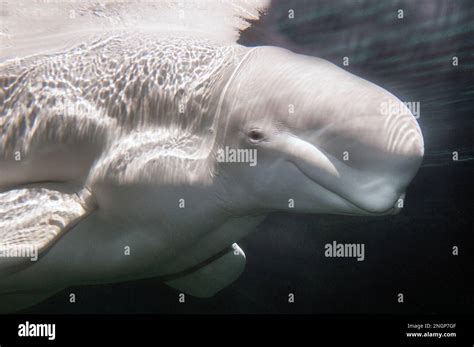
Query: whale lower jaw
[372,204]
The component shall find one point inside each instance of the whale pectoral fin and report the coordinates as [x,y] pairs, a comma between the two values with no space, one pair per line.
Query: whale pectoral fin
[32,219]
[212,276]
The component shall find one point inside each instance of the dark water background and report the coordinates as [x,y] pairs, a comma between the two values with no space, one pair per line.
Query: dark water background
[410,253]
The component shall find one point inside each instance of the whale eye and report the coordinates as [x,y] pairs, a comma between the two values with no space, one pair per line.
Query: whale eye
[255,135]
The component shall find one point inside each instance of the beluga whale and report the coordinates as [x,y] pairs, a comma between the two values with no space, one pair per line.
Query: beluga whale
[142,141]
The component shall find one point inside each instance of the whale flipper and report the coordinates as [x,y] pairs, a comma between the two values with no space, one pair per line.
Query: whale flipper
[215,275]
[32,219]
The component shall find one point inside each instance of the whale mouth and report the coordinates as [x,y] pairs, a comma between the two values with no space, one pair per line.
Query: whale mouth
[357,208]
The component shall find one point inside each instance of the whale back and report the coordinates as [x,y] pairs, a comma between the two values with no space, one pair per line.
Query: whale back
[77,77]
[84,100]
[28,28]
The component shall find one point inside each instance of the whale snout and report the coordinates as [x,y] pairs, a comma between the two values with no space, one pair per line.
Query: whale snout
[365,156]
[336,142]
[396,157]
[389,157]
[399,129]
[386,159]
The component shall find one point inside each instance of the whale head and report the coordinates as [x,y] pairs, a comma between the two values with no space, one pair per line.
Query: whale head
[314,138]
